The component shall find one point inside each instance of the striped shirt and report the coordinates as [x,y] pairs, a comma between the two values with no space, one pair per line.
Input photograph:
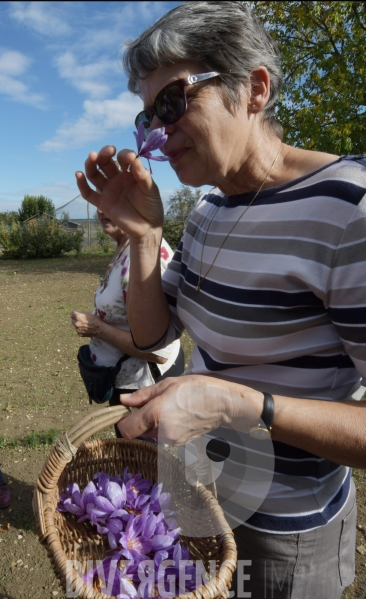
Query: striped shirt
[282,310]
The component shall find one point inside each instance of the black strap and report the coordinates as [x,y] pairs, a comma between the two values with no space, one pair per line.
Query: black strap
[268,409]
[154,369]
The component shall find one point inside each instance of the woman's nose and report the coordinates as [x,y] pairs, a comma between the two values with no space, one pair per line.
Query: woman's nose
[156,123]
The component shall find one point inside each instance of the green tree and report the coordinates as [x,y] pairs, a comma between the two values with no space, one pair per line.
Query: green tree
[9,217]
[39,238]
[322,45]
[180,205]
[35,206]
[65,215]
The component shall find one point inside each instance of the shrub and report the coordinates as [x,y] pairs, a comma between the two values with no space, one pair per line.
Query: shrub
[41,238]
[8,218]
[104,241]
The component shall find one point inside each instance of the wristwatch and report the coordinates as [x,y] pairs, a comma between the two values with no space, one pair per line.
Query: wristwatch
[263,430]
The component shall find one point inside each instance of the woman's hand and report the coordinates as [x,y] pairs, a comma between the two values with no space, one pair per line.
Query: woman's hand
[179,409]
[130,199]
[86,324]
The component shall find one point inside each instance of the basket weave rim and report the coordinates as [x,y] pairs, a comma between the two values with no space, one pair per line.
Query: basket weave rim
[47,484]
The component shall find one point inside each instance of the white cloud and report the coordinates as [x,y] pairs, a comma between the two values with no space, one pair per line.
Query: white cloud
[87,78]
[13,64]
[46,18]
[117,21]
[99,117]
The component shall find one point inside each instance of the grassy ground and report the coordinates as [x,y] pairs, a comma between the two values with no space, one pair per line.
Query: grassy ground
[41,396]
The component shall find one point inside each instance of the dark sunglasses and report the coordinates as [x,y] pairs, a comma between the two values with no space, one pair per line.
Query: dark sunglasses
[171,102]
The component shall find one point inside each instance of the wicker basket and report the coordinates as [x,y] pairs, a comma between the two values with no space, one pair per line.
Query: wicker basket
[73,459]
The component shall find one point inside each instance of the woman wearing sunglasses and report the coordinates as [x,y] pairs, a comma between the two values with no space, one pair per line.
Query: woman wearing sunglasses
[268,281]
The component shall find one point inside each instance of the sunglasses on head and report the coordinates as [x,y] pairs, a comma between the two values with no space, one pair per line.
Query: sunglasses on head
[171,102]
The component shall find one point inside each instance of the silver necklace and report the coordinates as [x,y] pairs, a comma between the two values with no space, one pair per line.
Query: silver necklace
[202,278]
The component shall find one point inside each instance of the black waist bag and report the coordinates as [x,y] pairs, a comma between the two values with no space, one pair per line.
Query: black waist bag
[99,381]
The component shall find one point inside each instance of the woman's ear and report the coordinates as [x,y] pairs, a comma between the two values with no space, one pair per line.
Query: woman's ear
[260,85]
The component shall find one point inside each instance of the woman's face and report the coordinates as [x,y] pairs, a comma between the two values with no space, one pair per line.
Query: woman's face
[207,144]
[109,228]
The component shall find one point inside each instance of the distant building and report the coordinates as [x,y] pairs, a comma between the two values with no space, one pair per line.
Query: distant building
[71,225]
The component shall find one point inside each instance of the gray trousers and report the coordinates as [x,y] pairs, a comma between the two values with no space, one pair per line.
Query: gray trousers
[313,565]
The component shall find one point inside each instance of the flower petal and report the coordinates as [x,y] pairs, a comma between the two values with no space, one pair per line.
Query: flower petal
[104,504]
[114,525]
[149,527]
[140,136]
[112,540]
[161,542]
[154,141]
[158,158]
[116,495]
[127,588]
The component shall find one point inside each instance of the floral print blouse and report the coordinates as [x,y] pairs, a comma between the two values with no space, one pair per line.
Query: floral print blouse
[110,305]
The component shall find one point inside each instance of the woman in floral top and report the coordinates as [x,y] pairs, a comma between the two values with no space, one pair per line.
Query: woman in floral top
[108,326]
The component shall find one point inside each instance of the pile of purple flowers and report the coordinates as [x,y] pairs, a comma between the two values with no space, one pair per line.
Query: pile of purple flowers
[146,557]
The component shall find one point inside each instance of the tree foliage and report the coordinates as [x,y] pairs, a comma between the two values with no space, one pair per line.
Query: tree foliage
[180,205]
[35,206]
[9,217]
[322,44]
[65,215]
[40,238]
[104,241]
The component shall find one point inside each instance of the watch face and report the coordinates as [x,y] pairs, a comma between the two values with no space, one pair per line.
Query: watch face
[260,433]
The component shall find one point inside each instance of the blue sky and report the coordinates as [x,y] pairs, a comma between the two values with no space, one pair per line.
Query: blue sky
[63,93]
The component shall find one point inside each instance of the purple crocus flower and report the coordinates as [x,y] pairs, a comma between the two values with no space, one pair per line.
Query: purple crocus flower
[114,576]
[114,527]
[135,488]
[143,537]
[159,501]
[181,568]
[155,140]
[80,504]
[71,488]
[134,544]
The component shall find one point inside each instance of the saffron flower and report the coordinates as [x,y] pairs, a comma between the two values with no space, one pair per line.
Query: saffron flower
[114,576]
[155,140]
[145,556]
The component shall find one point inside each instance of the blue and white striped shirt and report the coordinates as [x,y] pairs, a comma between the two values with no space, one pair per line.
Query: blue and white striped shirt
[282,310]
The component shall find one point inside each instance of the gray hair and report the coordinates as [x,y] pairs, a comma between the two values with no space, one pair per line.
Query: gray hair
[224,36]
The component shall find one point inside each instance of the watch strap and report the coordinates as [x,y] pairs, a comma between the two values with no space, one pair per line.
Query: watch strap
[268,410]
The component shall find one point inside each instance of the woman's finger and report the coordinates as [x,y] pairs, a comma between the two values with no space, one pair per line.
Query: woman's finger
[145,394]
[106,162]
[143,178]
[138,423]
[130,163]
[125,159]
[94,172]
[85,190]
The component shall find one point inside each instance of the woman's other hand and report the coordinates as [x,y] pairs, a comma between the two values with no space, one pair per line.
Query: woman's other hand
[86,324]
[130,199]
[178,409]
